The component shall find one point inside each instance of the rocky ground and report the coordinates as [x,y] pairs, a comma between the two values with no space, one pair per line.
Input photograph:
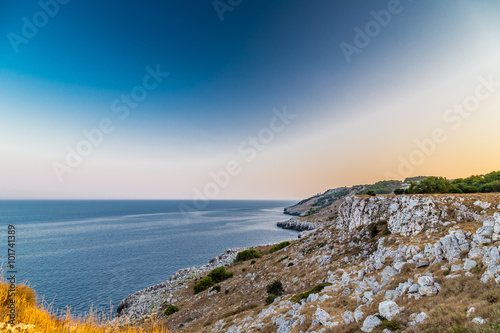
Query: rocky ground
[384,263]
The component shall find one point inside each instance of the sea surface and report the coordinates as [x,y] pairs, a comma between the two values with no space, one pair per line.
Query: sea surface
[84,254]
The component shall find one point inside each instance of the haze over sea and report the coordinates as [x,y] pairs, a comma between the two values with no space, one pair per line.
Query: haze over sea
[95,253]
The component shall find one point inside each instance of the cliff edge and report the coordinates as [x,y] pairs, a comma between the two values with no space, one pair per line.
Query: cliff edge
[385,262]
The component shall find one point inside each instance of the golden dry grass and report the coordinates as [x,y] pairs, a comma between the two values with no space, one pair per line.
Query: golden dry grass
[35,317]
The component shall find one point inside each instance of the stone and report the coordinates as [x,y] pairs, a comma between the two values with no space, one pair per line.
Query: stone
[483,205]
[361,274]
[422,263]
[387,273]
[348,317]
[469,264]
[367,297]
[421,317]
[414,288]
[321,316]
[448,248]
[312,298]
[388,309]
[425,281]
[471,311]
[358,315]
[370,323]
[417,318]
[428,290]
[479,320]
[476,252]
[456,268]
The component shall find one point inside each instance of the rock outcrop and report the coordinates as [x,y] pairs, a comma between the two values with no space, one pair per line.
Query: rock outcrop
[379,255]
[298,225]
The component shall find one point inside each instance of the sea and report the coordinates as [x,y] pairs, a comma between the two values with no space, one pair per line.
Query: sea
[88,254]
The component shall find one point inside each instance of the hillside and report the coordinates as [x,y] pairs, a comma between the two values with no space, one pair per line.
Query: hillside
[315,204]
[419,263]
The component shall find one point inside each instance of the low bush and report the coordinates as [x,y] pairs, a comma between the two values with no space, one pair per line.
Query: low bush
[215,288]
[215,276]
[279,246]
[275,288]
[171,309]
[399,191]
[203,284]
[284,258]
[247,255]
[220,274]
[270,298]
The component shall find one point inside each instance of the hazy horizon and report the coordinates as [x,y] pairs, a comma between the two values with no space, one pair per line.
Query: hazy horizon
[244,100]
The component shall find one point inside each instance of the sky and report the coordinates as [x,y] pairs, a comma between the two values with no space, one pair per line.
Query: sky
[240,99]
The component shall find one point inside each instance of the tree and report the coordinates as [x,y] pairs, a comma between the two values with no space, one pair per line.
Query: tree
[399,191]
[434,185]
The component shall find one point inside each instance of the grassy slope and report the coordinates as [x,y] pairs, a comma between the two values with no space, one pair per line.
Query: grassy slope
[33,317]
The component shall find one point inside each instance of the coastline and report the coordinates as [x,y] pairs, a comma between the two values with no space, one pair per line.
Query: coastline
[140,302]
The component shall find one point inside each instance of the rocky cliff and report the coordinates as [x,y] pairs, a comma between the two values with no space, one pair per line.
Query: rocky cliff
[393,263]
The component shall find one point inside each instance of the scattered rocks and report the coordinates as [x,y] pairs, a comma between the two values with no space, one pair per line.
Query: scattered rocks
[469,264]
[388,309]
[422,263]
[417,318]
[370,323]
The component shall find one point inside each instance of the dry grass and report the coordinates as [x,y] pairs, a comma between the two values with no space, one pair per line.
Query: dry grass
[39,318]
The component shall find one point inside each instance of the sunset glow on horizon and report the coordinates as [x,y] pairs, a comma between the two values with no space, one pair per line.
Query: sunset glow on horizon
[171,100]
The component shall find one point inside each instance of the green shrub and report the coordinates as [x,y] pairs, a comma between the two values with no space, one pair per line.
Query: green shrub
[252,262]
[297,298]
[215,276]
[475,270]
[290,264]
[171,309]
[203,284]
[270,298]
[220,274]
[247,255]
[392,325]
[215,288]
[455,189]
[371,193]
[275,288]
[279,246]
[399,191]
[226,292]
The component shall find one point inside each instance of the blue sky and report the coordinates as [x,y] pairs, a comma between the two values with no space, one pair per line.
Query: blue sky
[225,78]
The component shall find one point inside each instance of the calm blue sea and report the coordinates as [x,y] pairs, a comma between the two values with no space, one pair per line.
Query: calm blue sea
[95,253]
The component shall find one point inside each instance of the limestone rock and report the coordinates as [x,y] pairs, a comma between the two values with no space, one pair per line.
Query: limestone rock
[479,320]
[469,264]
[388,309]
[370,323]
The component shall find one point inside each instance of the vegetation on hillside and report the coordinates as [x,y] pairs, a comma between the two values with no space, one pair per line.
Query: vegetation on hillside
[473,184]
[215,276]
[35,317]
[279,246]
[382,187]
[247,255]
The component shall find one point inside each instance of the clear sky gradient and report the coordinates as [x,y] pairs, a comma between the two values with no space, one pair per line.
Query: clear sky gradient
[263,99]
